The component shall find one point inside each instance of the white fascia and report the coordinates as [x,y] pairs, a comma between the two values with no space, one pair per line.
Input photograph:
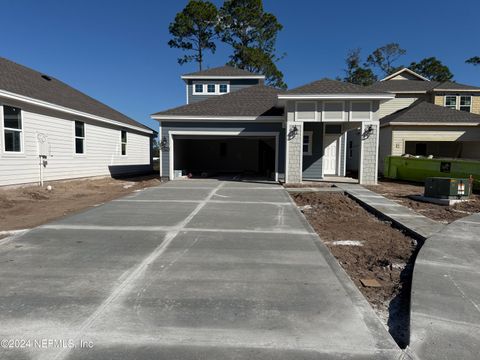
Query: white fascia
[219,118]
[405,123]
[211,77]
[51,106]
[337,96]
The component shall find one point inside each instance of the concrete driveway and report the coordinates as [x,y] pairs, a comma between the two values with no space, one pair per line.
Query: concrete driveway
[197,269]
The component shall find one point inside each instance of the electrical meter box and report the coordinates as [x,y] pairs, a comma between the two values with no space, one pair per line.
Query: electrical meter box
[447,188]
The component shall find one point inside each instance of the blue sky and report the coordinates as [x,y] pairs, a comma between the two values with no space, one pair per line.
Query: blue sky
[117,52]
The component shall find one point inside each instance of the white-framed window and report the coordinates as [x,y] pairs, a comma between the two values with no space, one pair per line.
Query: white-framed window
[459,102]
[210,88]
[198,88]
[223,88]
[306,111]
[360,110]
[333,111]
[307,142]
[123,139]
[451,101]
[466,103]
[12,129]
[79,137]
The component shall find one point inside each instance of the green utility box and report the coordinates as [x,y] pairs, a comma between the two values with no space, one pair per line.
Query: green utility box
[447,188]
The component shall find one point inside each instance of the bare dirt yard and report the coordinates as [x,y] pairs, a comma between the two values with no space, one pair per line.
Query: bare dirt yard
[29,206]
[400,192]
[369,250]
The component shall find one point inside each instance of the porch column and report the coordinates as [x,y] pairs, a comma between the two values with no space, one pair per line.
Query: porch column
[294,153]
[369,153]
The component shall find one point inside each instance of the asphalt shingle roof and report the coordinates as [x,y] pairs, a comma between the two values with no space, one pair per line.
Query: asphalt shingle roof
[18,79]
[258,100]
[425,112]
[403,85]
[329,86]
[418,85]
[225,70]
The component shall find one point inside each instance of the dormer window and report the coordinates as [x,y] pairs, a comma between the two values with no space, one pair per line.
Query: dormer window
[459,102]
[210,88]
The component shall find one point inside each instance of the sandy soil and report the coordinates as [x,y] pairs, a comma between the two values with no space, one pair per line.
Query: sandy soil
[386,254]
[26,207]
[399,192]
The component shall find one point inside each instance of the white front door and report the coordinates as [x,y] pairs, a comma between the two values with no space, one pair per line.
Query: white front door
[330,157]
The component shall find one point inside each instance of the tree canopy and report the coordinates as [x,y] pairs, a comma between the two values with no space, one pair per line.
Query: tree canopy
[432,69]
[252,34]
[194,31]
[355,73]
[385,56]
[475,60]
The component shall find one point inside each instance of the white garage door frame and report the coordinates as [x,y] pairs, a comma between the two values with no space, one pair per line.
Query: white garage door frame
[172,133]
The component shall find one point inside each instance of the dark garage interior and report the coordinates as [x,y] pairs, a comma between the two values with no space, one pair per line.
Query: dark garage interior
[209,156]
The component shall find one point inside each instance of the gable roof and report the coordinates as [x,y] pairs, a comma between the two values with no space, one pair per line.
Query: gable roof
[424,113]
[330,88]
[225,71]
[251,102]
[408,71]
[21,80]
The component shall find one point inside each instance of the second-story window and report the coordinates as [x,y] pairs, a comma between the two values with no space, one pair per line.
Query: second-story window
[451,101]
[465,103]
[211,88]
[223,88]
[199,88]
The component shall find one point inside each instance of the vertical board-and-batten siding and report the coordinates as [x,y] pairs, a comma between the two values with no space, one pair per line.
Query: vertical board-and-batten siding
[192,127]
[102,150]
[312,164]
[235,85]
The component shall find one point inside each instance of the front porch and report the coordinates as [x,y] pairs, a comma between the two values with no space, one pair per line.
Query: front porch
[322,150]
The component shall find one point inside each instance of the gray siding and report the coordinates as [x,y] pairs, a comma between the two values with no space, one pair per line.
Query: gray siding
[312,164]
[168,126]
[235,85]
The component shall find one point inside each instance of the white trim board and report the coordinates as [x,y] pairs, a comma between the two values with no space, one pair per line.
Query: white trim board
[171,145]
[337,96]
[222,77]
[219,118]
[428,124]
[411,72]
[51,106]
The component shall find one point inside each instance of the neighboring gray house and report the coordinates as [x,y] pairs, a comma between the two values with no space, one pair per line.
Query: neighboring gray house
[233,123]
[51,131]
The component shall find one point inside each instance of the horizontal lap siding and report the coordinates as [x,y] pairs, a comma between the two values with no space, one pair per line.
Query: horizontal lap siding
[312,164]
[102,155]
[167,126]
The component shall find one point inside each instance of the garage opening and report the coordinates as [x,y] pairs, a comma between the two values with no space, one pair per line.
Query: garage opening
[209,156]
[447,149]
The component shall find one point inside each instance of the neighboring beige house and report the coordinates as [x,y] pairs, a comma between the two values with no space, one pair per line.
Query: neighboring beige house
[426,118]
[50,130]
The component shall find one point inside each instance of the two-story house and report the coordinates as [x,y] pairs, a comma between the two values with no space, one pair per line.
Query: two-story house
[233,123]
[425,118]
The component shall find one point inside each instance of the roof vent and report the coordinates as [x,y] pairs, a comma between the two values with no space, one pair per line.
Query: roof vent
[46,77]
